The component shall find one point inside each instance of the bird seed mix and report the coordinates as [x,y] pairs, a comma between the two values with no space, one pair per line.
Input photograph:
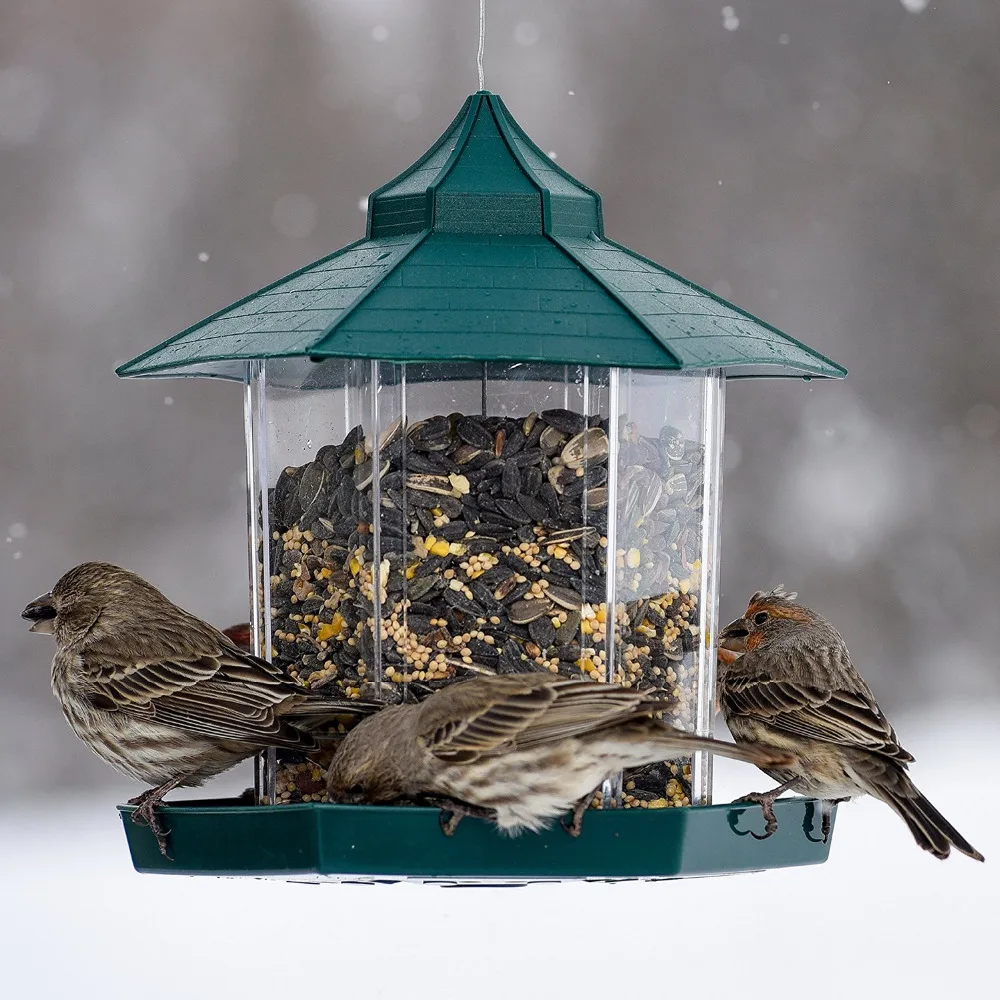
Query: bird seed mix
[491,556]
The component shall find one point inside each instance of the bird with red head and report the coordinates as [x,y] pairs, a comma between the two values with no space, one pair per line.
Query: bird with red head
[796,688]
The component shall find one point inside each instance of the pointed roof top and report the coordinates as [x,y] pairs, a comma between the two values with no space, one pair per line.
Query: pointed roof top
[485,250]
[484,175]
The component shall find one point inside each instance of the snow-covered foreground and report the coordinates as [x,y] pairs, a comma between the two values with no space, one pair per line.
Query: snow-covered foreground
[880,920]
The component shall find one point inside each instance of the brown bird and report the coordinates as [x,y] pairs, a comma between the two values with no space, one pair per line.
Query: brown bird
[795,688]
[162,696]
[521,750]
[241,634]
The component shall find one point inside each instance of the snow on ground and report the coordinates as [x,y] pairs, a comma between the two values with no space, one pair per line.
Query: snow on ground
[881,919]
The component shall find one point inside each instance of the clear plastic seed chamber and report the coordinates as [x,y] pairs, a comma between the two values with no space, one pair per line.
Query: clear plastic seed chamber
[431,522]
[485,439]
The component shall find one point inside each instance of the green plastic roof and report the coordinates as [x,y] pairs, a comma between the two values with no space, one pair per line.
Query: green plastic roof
[485,250]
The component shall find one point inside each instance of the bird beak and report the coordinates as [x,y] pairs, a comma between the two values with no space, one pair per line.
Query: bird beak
[42,612]
[733,636]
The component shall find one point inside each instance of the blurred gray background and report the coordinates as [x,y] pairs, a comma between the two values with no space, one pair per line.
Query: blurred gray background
[833,168]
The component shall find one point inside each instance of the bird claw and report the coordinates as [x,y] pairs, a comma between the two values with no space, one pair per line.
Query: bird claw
[453,812]
[449,821]
[826,816]
[766,802]
[575,825]
[145,812]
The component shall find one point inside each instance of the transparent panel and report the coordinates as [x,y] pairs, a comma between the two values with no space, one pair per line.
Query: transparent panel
[255,428]
[432,522]
[663,536]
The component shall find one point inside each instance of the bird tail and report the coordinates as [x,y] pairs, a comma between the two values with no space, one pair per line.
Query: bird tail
[929,828]
[677,742]
[325,718]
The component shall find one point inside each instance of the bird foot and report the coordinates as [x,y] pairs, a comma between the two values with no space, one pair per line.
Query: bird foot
[766,802]
[826,815]
[145,813]
[449,821]
[453,812]
[575,825]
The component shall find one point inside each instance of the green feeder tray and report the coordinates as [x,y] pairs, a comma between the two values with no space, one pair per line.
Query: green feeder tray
[222,837]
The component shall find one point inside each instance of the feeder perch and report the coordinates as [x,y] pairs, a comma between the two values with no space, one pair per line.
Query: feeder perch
[485,438]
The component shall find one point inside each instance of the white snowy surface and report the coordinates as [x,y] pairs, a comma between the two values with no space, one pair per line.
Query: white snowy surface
[880,920]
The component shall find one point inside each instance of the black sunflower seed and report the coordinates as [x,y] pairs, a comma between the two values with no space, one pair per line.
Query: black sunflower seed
[534,509]
[510,481]
[564,420]
[542,631]
[472,432]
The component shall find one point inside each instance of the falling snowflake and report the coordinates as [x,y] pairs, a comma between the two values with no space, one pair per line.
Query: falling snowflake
[982,421]
[526,33]
[203,256]
[407,107]
[295,215]
[914,6]
[729,19]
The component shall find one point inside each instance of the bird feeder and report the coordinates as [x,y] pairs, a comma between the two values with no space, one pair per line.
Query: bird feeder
[485,439]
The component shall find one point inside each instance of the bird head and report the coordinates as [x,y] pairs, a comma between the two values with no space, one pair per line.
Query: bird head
[366,766]
[770,617]
[81,596]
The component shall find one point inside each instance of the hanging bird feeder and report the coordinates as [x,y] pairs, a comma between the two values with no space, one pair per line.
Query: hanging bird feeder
[485,439]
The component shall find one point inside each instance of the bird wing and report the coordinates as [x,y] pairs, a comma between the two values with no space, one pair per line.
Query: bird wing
[847,718]
[487,716]
[481,717]
[226,694]
[583,707]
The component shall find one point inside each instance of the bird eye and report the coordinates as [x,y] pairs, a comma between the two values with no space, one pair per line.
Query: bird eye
[761,617]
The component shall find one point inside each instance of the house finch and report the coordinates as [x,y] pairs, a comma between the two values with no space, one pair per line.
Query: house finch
[241,634]
[795,688]
[519,749]
[161,695]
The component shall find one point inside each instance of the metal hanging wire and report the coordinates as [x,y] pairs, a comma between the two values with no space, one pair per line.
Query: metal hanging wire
[482,44]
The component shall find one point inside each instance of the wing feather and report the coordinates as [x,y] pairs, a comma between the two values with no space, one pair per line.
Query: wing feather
[847,718]
[490,716]
[222,693]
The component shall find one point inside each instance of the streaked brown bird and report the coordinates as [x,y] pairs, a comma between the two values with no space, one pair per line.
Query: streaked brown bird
[162,696]
[521,750]
[795,688]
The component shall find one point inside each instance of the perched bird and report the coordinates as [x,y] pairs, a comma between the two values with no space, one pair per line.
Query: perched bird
[241,634]
[519,749]
[163,696]
[796,689]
